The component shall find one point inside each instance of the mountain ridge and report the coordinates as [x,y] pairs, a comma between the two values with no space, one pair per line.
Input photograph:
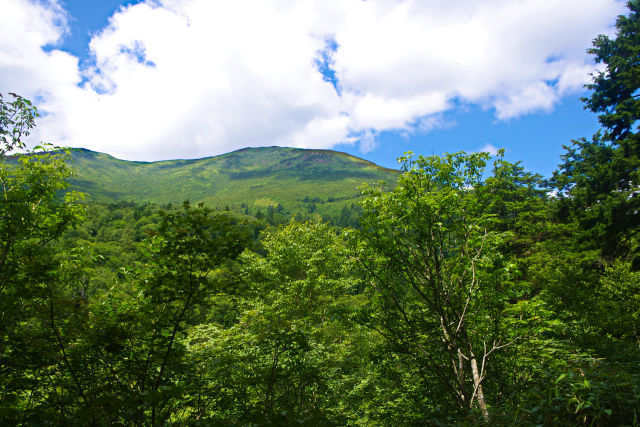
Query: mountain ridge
[239,150]
[301,180]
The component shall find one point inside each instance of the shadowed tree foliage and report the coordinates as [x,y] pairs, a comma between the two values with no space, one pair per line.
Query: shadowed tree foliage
[32,216]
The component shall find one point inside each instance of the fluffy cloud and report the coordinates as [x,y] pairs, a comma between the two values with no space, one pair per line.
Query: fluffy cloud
[192,78]
[488,148]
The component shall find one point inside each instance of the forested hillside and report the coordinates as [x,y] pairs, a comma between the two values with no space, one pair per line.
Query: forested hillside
[250,180]
[469,292]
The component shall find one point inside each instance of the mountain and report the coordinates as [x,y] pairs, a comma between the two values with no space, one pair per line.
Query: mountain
[298,179]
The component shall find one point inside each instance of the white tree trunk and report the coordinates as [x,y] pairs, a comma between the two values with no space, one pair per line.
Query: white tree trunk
[482,404]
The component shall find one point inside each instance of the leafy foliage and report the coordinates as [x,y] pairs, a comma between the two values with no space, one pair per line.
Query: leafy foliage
[458,296]
[32,216]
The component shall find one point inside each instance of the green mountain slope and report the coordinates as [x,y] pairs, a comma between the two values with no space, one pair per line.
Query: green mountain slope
[298,179]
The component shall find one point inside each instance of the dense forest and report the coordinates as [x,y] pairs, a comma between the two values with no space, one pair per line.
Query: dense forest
[470,292]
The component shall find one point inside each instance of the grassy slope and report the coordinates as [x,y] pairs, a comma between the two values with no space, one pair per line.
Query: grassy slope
[254,176]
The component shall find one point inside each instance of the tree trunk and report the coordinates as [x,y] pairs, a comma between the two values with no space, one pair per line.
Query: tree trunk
[482,404]
[461,376]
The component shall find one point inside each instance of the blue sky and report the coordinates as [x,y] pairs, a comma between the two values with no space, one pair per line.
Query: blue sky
[87,18]
[536,140]
[179,79]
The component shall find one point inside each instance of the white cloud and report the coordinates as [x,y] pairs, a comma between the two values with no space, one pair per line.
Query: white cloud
[434,121]
[488,148]
[535,96]
[195,77]
[367,141]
